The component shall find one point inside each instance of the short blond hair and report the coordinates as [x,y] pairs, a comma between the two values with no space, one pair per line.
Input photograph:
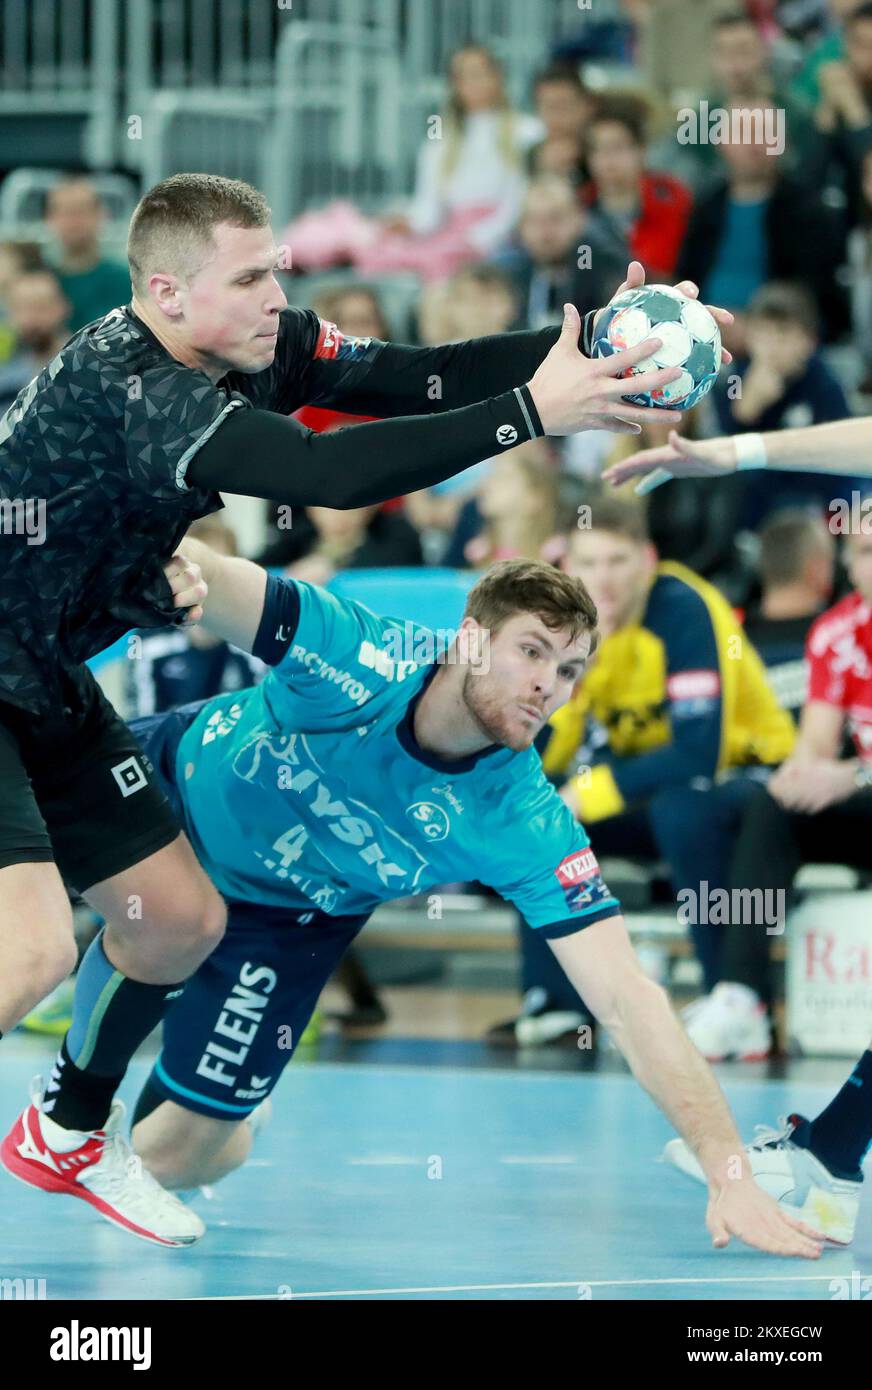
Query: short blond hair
[172,227]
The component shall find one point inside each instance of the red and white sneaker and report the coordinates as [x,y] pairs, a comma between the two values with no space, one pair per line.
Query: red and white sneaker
[101,1169]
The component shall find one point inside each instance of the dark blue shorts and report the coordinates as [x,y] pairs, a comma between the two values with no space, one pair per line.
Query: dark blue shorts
[159,736]
[237,1023]
[228,1037]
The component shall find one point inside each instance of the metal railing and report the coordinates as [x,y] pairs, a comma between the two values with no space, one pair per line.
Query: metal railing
[61,57]
[354,76]
[337,118]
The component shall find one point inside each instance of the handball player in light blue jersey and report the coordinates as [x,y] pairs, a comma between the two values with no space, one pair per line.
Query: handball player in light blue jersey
[370,764]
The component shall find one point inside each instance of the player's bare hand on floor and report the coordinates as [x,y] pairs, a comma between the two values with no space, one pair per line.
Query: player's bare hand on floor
[739,1207]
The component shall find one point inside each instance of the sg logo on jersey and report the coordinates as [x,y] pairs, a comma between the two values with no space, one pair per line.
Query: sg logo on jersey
[431,820]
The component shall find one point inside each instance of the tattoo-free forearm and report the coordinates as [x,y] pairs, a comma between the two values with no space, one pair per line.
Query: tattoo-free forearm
[845,446]
[678,1079]
[233,607]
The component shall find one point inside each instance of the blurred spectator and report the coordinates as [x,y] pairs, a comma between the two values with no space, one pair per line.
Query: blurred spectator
[92,283]
[636,214]
[15,257]
[663,708]
[479,300]
[468,190]
[613,39]
[784,383]
[38,316]
[816,809]
[844,112]
[561,258]
[322,540]
[564,106]
[474,302]
[830,47]
[675,43]
[485,302]
[860,275]
[797,568]
[355,309]
[802,22]
[514,512]
[743,232]
[741,64]
[174,666]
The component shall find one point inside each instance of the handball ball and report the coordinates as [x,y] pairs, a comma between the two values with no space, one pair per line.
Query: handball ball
[690,340]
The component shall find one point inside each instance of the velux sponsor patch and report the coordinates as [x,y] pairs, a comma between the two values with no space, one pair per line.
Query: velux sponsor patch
[582,883]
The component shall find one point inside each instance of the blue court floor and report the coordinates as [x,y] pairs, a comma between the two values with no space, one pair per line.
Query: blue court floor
[380,1180]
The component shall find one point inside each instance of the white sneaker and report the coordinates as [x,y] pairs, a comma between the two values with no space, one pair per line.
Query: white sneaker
[729,1023]
[100,1168]
[793,1176]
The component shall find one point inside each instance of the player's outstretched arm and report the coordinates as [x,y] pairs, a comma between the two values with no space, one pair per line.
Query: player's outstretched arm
[225,592]
[391,379]
[601,963]
[845,446]
[263,454]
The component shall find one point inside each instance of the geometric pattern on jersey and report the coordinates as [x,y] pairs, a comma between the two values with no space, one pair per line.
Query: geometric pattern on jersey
[96,447]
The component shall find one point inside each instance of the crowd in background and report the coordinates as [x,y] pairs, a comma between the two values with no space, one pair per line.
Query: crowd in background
[515,212]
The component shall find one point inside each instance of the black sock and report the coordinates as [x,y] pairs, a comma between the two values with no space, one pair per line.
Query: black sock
[78,1099]
[841,1134]
[112,1015]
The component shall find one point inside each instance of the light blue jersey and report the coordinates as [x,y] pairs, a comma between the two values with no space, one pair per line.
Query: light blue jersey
[310,790]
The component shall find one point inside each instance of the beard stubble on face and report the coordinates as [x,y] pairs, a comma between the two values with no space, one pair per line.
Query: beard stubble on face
[490,708]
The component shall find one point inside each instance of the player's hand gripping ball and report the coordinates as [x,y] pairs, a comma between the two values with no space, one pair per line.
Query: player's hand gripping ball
[690,337]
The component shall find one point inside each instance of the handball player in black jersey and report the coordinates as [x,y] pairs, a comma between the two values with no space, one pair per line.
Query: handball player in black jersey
[120,442]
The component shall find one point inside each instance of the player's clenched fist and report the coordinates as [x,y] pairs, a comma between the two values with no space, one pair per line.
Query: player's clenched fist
[189,588]
[573,393]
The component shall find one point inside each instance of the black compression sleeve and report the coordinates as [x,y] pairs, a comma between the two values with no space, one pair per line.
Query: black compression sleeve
[262,454]
[404,380]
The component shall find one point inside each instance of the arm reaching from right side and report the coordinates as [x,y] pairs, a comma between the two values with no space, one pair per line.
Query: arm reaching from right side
[844,446]
[601,964]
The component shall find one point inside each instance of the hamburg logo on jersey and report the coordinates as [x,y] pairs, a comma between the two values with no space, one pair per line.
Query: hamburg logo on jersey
[580,878]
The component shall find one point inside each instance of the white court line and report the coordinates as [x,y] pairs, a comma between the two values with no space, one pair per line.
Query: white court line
[542,1158]
[386,1161]
[562,1284]
[625,1078]
[398,1160]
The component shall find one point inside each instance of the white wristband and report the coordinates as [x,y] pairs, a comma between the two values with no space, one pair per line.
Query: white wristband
[750,451]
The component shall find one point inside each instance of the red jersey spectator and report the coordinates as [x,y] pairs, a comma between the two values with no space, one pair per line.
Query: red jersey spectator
[642,214]
[840,667]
